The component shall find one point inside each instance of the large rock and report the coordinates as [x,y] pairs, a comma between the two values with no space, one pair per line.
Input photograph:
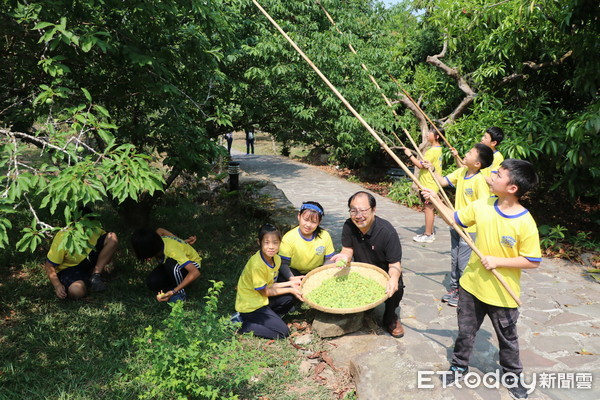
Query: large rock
[332,325]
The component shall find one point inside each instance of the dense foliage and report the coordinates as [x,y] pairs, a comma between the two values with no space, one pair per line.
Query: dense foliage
[96,93]
[195,358]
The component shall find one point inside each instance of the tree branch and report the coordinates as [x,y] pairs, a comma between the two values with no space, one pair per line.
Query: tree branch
[418,115]
[535,66]
[461,81]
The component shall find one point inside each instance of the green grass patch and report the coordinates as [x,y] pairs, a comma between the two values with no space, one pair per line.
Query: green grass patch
[90,349]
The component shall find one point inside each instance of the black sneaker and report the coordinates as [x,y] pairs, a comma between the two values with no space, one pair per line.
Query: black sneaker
[515,386]
[96,283]
[455,374]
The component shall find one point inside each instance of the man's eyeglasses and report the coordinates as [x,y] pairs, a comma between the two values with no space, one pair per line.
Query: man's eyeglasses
[355,212]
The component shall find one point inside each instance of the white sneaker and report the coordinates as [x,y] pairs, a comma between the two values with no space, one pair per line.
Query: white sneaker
[425,238]
[417,238]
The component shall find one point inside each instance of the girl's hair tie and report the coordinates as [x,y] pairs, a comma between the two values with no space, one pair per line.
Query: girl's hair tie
[308,206]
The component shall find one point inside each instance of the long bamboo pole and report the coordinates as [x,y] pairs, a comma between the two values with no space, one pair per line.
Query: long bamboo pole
[390,105]
[447,217]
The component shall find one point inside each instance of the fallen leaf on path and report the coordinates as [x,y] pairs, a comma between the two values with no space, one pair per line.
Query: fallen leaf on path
[327,358]
[319,368]
[583,352]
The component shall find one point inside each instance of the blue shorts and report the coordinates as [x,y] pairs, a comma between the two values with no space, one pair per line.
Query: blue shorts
[83,270]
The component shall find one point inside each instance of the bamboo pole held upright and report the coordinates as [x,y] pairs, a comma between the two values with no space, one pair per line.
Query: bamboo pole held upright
[436,202]
[390,105]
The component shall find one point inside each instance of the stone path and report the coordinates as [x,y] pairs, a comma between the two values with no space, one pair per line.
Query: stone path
[559,327]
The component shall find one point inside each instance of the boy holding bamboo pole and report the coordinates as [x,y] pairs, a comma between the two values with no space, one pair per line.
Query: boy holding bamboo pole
[470,186]
[508,237]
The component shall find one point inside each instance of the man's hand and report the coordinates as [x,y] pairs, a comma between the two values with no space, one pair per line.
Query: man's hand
[339,257]
[392,287]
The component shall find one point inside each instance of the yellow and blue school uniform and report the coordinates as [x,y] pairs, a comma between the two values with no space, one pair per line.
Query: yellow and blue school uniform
[61,259]
[434,156]
[499,235]
[258,274]
[468,189]
[493,169]
[303,254]
[180,251]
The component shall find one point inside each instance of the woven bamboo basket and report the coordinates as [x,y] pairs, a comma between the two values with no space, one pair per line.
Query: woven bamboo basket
[314,278]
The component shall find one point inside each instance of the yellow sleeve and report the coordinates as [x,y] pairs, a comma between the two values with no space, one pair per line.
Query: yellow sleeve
[454,176]
[465,217]
[481,189]
[286,249]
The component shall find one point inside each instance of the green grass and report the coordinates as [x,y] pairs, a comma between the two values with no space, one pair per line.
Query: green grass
[263,144]
[54,349]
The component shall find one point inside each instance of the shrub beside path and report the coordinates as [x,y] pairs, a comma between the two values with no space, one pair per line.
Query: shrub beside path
[559,326]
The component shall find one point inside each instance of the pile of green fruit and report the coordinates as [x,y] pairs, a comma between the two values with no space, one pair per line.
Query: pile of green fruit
[348,291]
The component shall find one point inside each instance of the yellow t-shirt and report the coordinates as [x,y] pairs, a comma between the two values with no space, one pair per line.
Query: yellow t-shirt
[434,156]
[306,255]
[468,189]
[63,260]
[499,235]
[180,251]
[498,158]
[257,275]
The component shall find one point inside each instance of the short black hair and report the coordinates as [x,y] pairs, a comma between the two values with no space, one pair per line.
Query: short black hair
[485,155]
[521,174]
[147,243]
[268,228]
[372,202]
[497,134]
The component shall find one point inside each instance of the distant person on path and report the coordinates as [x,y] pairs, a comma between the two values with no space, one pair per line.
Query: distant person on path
[249,140]
[492,138]
[433,155]
[260,300]
[306,246]
[178,262]
[73,274]
[508,237]
[373,240]
[470,186]
[229,138]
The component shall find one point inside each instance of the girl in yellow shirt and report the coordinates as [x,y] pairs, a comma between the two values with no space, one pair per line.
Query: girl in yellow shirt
[260,300]
[306,246]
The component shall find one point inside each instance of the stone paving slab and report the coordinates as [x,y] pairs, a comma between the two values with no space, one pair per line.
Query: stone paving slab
[560,316]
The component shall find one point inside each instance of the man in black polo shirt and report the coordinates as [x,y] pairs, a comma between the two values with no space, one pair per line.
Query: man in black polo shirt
[373,240]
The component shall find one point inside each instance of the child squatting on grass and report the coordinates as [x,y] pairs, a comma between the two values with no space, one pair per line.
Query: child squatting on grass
[306,246]
[508,238]
[260,300]
[178,262]
[72,275]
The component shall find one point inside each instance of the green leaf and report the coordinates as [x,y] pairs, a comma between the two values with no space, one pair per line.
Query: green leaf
[87,95]
[42,25]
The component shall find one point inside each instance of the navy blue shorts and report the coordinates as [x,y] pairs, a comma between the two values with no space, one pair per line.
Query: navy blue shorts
[83,270]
